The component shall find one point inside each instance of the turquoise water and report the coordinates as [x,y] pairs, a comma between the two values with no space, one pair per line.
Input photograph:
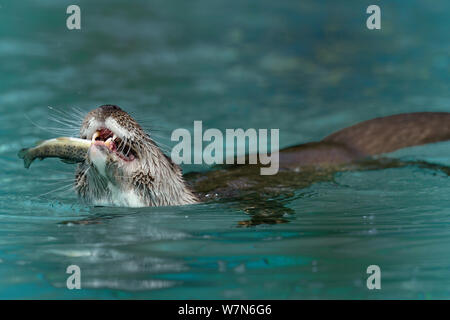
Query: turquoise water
[305,67]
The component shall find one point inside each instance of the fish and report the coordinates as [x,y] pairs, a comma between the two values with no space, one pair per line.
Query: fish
[68,149]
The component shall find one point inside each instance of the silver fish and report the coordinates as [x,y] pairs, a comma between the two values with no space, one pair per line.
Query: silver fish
[70,150]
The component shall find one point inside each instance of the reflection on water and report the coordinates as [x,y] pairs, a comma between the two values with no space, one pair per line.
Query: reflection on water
[307,68]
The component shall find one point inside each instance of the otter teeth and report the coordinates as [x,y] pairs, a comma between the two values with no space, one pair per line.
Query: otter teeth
[95,135]
[108,142]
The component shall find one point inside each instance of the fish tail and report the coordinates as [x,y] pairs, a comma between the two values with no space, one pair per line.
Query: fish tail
[25,155]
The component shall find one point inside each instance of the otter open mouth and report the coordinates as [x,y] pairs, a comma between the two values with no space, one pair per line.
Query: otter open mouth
[116,145]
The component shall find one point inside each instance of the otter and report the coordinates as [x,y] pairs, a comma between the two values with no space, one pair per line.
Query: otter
[125,166]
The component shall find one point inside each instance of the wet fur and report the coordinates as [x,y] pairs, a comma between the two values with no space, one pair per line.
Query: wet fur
[150,180]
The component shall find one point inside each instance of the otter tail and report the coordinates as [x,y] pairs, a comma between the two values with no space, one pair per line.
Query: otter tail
[387,134]
[372,137]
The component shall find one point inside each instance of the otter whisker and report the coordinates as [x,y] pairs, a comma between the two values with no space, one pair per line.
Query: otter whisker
[64,188]
[80,113]
[68,116]
[67,123]
[71,121]
[50,129]
[71,118]
[84,172]
[163,146]
[50,181]
[124,144]
[55,181]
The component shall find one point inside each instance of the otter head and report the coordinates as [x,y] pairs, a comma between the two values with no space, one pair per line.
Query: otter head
[124,166]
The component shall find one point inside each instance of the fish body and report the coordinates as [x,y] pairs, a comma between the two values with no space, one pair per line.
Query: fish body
[68,149]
